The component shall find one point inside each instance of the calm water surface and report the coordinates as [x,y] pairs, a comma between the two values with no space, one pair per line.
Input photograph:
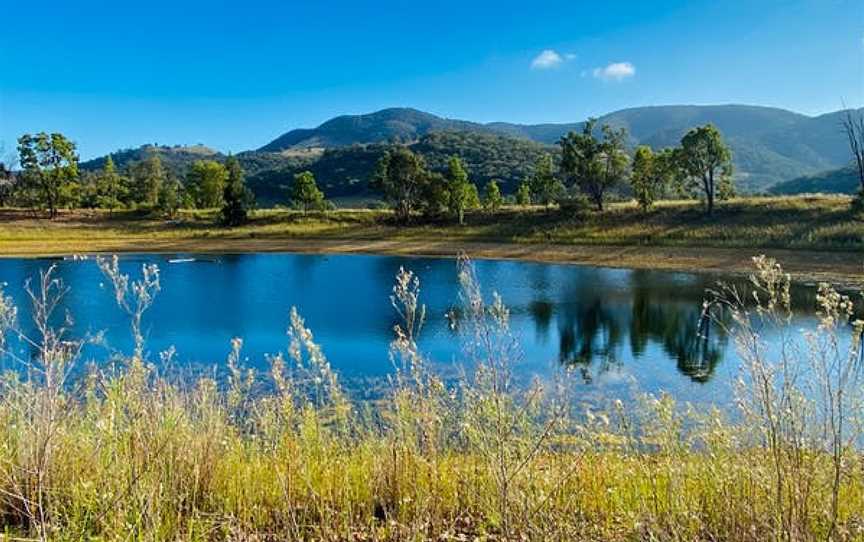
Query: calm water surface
[622,331]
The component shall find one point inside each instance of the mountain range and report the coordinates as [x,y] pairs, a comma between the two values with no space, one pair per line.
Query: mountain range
[769,145]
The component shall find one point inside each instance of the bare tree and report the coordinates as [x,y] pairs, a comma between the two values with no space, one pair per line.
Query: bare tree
[853,126]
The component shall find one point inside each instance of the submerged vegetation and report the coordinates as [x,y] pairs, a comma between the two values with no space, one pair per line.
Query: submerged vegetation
[120,450]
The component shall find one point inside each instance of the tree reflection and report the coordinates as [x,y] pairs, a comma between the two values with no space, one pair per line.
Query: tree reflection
[599,318]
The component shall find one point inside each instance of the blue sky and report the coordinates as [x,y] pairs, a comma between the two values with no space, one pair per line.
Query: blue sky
[234,75]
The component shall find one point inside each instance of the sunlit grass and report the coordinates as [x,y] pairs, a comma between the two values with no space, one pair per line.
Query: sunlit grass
[125,453]
[805,222]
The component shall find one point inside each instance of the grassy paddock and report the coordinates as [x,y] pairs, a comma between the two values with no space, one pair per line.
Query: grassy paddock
[817,237]
[127,454]
[805,222]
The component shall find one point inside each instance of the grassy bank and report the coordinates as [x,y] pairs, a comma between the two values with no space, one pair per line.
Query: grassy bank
[817,237]
[125,453]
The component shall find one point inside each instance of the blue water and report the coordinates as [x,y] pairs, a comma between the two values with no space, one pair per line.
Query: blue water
[619,331]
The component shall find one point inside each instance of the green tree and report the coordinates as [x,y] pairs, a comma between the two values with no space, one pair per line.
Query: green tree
[71,194]
[473,200]
[110,187]
[402,177]
[460,189]
[49,164]
[205,181]
[652,174]
[170,197]
[543,183]
[523,194]
[305,193]
[434,195]
[147,177]
[707,163]
[594,165]
[237,198]
[492,197]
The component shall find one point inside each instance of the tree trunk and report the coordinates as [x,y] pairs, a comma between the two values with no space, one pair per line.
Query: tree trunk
[709,192]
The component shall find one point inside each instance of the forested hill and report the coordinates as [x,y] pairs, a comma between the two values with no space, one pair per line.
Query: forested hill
[176,158]
[388,125]
[769,145]
[345,171]
[843,181]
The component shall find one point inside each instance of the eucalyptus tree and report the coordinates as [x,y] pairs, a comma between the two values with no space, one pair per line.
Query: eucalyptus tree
[206,183]
[401,175]
[305,193]
[110,187]
[544,186]
[462,192]
[492,198]
[237,199]
[146,179]
[170,196]
[652,174]
[48,164]
[594,165]
[523,193]
[706,162]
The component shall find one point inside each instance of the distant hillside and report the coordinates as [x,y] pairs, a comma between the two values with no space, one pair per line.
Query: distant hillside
[843,181]
[175,158]
[770,145]
[345,171]
[178,158]
[387,125]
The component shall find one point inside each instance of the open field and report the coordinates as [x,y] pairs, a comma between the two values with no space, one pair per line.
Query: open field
[816,237]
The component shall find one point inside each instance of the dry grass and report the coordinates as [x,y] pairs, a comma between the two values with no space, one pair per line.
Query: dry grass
[816,237]
[127,454]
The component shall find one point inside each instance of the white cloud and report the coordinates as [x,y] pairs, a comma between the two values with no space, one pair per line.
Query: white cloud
[617,71]
[547,59]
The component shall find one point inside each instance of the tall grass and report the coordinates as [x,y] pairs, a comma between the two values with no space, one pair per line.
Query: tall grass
[124,453]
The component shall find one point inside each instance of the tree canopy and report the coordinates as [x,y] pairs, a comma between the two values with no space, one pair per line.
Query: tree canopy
[594,165]
[237,199]
[305,193]
[545,188]
[205,182]
[49,165]
[401,175]
[706,161]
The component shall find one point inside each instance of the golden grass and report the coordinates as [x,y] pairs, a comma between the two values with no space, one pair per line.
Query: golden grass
[816,236]
[128,454]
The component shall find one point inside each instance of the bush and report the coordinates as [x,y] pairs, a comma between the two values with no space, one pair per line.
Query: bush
[577,205]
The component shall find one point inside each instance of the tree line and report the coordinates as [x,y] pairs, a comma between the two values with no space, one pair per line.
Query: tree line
[593,164]
[48,179]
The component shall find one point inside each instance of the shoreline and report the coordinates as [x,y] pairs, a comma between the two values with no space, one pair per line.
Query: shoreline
[843,269]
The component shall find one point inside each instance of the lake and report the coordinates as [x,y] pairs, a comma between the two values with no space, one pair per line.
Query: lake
[620,331]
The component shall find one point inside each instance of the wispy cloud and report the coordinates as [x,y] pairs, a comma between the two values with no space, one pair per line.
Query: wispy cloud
[617,71]
[549,58]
